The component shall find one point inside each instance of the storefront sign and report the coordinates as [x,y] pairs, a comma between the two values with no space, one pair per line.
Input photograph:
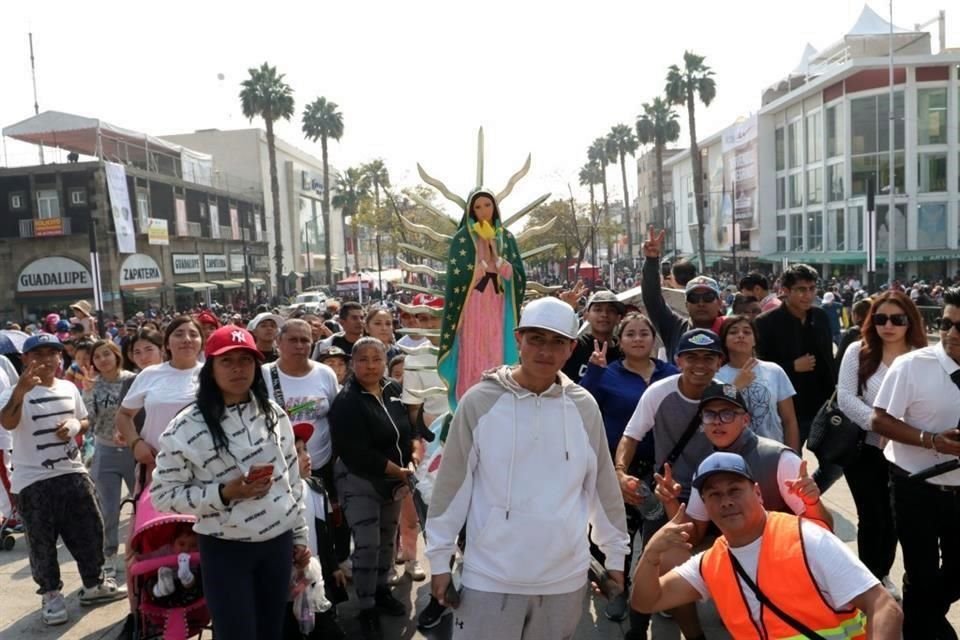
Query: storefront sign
[140,271]
[236,263]
[214,263]
[158,232]
[54,274]
[261,262]
[47,227]
[186,263]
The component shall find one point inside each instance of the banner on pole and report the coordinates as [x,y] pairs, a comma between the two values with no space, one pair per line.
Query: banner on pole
[158,232]
[120,207]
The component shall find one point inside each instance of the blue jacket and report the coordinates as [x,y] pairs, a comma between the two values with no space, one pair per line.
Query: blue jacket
[617,391]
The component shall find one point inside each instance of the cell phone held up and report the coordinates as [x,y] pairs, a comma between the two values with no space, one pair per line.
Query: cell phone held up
[260,471]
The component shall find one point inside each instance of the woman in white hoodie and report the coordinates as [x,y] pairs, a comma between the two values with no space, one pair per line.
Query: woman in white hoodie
[229,459]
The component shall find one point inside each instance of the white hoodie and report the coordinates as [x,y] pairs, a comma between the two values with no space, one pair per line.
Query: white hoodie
[528,474]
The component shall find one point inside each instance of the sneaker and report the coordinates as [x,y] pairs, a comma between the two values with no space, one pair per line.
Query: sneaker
[110,566]
[369,621]
[106,591]
[892,588]
[431,616]
[415,570]
[388,604]
[54,609]
[616,609]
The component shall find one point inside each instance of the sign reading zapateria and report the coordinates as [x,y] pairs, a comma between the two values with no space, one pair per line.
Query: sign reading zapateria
[140,271]
[186,263]
[54,274]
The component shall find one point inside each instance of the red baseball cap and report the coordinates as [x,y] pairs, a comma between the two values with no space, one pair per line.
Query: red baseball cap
[229,338]
[207,317]
[302,431]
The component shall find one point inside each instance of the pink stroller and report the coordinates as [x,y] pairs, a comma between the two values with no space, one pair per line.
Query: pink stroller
[154,533]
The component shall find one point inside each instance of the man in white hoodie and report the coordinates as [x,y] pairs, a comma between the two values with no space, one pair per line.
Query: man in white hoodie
[526,467]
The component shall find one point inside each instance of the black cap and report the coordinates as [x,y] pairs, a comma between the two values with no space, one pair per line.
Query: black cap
[722,391]
[699,340]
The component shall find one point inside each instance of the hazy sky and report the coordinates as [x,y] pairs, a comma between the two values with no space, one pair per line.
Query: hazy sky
[415,79]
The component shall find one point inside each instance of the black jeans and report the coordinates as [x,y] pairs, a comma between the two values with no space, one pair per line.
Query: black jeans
[928,525]
[869,482]
[246,585]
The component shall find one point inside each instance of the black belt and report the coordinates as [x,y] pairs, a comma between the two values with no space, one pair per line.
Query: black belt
[902,473]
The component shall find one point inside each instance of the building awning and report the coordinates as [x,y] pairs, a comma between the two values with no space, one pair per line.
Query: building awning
[257,281]
[227,284]
[195,286]
[142,292]
[860,257]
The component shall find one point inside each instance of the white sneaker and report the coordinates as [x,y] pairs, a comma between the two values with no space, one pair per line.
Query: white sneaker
[54,609]
[106,591]
[415,570]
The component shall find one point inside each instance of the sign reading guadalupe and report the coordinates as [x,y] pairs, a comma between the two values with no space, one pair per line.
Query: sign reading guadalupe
[214,263]
[186,263]
[54,274]
[140,271]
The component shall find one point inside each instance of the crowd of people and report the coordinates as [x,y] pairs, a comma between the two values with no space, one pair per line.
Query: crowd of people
[298,446]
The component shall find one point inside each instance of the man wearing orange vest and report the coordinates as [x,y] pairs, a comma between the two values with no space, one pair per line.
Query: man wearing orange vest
[773,576]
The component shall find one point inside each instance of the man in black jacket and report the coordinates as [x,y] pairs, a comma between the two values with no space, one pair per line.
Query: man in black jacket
[603,313]
[703,300]
[797,337]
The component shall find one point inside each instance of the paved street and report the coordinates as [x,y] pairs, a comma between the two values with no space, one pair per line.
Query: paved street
[20,618]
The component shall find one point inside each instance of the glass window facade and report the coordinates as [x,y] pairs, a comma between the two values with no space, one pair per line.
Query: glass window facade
[814,132]
[781,222]
[815,231]
[796,232]
[869,124]
[781,243]
[836,233]
[780,149]
[781,193]
[815,186]
[835,182]
[932,225]
[932,172]
[932,116]
[48,203]
[855,229]
[876,166]
[796,190]
[835,137]
[899,228]
[795,140]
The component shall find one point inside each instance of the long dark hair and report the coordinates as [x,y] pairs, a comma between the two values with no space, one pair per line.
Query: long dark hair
[212,408]
[871,344]
[496,208]
[173,326]
[728,324]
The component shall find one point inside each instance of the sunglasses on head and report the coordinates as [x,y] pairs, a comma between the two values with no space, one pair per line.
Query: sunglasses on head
[898,319]
[946,324]
[725,416]
[697,298]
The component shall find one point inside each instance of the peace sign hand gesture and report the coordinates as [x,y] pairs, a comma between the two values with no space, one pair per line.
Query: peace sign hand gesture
[599,355]
[746,376]
[653,246]
[572,296]
[804,487]
[675,534]
[668,489]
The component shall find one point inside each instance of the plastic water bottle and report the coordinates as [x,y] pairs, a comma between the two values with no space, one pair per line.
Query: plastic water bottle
[650,508]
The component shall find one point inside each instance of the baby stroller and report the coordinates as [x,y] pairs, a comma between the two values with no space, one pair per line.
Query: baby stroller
[152,540]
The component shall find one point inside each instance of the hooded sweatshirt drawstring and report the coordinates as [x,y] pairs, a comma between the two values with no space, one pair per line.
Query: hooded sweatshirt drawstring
[563,413]
[513,457]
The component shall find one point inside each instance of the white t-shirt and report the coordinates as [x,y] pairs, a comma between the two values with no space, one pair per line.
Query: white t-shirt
[420,374]
[308,399]
[788,469]
[6,438]
[410,342]
[162,391]
[917,389]
[838,572]
[38,454]
[770,386]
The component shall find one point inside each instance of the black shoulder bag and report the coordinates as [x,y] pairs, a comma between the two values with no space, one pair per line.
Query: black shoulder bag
[765,601]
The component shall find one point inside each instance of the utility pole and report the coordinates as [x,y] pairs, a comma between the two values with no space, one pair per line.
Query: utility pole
[892,208]
[33,75]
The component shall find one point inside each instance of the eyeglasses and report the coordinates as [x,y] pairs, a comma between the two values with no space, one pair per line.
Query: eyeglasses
[697,298]
[725,417]
[898,319]
[946,324]
[811,290]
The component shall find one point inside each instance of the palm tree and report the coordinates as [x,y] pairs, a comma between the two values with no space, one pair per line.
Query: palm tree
[684,86]
[597,153]
[267,95]
[657,126]
[378,177]
[351,190]
[590,175]
[322,121]
[620,143]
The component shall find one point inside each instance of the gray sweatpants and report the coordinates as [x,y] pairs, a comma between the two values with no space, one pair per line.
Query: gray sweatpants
[373,522]
[494,616]
[112,467]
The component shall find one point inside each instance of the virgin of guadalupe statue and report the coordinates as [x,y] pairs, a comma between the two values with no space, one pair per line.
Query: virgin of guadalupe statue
[485,288]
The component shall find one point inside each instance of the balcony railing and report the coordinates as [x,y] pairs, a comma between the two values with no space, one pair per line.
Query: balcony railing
[44,227]
[194,230]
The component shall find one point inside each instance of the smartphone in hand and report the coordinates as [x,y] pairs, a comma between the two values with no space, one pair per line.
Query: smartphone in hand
[259,471]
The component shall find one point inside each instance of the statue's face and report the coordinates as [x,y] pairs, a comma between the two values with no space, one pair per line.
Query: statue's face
[483,209]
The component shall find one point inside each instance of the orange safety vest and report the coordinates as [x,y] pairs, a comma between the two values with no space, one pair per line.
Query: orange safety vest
[784,576]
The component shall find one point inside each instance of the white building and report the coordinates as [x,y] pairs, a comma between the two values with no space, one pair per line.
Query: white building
[823,134]
[242,154]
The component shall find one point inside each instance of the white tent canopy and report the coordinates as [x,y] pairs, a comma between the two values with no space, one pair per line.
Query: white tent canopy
[100,139]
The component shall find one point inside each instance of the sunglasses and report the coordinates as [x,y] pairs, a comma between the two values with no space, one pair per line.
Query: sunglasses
[724,417]
[946,324]
[898,319]
[697,298]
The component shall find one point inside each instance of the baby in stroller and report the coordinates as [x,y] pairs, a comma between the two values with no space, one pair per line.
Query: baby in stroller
[166,574]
